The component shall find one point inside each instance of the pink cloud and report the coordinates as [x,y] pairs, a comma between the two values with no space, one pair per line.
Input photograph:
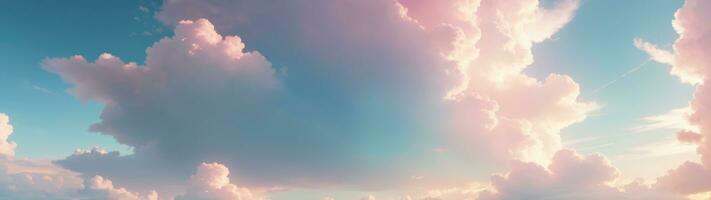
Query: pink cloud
[569,176]
[42,179]
[7,147]
[688,137]
[357,76]
[211,181]
[691,63]
[105,189]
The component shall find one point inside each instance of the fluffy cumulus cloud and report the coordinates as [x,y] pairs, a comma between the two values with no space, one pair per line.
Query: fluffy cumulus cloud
[103,188]
[357,90]
[690,62]
[42,179]
[569,176]
[212,182]
[7,147]
[30,179]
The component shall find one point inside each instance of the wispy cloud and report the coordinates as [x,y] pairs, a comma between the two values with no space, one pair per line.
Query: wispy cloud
[42,89]
[675,119]
[667,147]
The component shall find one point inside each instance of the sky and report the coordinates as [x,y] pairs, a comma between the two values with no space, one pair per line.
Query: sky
[368,99]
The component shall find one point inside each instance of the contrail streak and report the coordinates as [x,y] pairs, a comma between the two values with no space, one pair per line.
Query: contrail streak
[608,84]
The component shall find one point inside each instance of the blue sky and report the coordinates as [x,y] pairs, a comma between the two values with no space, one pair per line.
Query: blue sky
[36,99]
[595,49]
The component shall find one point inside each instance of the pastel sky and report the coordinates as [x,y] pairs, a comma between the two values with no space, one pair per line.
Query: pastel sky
[355,100]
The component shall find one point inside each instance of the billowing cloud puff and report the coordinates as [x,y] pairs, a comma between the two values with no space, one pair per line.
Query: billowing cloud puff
[369,197]
[690,62]
[687,59]
[211,182]
[41,179]
[357,90]
[492,48]
[569,176]
[36,179]
[689,178]
[102,188]
[687,136]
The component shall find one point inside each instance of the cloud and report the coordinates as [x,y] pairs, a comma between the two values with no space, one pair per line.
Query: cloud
[7,147]
[690,63]
[504,33]
[689,178]
[656,54]
[42,179]
[674,119]
[688,137]
[211,181]
[360,89]
[369,197]
[30,179]
[690,23]
[102,188]
[36,179]
[569,176]
[658,149]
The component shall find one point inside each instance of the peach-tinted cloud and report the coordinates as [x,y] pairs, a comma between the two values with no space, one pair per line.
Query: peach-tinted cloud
[31,179]
[103,188]
[691,63]
[569,176]
[686,60]
[211,181]
[344,84]
[41,179]
[491,49]
[676,119]
[688,137]
[689,178]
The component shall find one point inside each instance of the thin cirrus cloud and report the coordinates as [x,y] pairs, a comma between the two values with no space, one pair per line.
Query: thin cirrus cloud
[569,176]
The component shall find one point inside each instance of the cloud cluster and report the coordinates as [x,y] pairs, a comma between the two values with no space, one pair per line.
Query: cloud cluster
[356,79]
[211,182]
[42,179]
[569,176]
[691,63]
[359,89]
[30,179]
[102,188]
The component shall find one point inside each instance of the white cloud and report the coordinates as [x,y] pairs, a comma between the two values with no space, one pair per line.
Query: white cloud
[677,119]
[212,182]
[102,188]
[362,77]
